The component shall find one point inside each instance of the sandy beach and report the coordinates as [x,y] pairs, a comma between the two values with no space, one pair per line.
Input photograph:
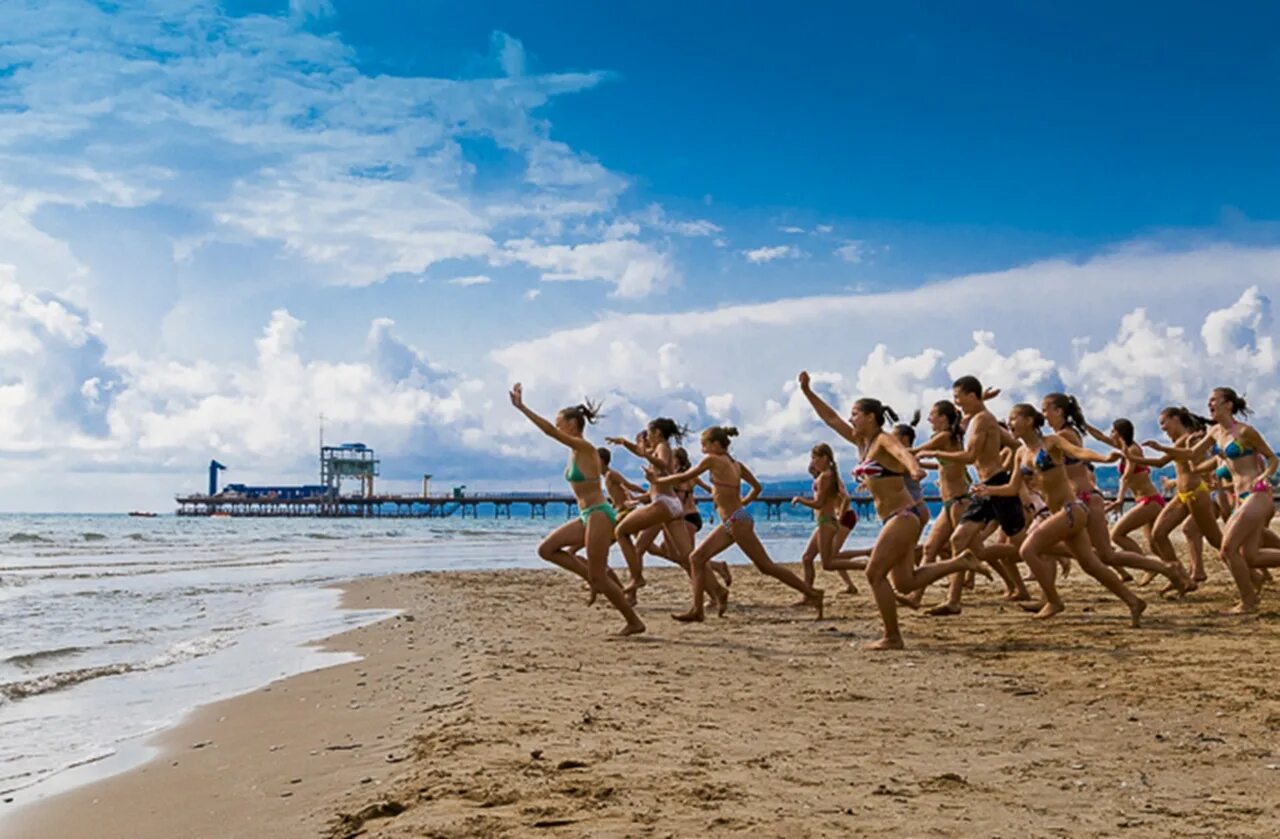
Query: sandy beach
[494,705]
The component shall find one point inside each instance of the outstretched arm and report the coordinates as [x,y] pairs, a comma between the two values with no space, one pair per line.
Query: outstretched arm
[1194,453]
[1253,439]
[1097,434]
[1010,490]
[542,424]
[973,442]
[824,493]
[1080,452]
[824,411]
[668,481]
[630,487]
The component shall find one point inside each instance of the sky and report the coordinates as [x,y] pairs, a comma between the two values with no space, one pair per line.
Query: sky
[220,221]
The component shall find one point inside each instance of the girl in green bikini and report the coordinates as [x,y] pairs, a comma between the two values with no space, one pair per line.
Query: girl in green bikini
[594,525]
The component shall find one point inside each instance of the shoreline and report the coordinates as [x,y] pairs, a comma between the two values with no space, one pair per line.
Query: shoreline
[493,704]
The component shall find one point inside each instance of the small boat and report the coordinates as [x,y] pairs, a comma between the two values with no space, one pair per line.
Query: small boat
[139,514]
[220,514]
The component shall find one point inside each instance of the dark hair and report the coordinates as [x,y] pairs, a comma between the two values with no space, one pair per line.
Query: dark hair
[681,456]
[668,429]
[1238,406]
[1029,411]
[954,421]
[1071,408]
[907,430]
[1190,421]
[968,384]
[583,413]
[720,434]
[1124,428]
[605,457]
[876,407]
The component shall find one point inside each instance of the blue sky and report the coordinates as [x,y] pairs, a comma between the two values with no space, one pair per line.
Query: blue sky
[217,220]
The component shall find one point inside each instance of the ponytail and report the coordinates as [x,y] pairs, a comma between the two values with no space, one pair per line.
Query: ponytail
[1189,420]
[1029,411]
[1070,407]
[668,428]
[1239,408]
[583,414]
[1124,428]
[720,434]
[878,409]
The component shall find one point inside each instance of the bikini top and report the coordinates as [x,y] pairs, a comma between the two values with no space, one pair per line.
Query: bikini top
[734,485]
[1233,450]
[1223,472]
[572,473]
[1043,463]
[1140,469]
[874,469]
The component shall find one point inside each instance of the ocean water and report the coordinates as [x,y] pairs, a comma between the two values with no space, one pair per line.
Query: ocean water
[112,628]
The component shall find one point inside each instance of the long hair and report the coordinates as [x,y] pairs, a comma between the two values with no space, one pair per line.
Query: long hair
[582,414]
[721,434]
[955,424]
[669,429]
[1190,421]
[1029,411]
[1239,408]
[876,408]
[1071,408]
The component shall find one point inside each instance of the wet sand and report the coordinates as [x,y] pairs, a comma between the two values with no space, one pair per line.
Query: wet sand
[496,706]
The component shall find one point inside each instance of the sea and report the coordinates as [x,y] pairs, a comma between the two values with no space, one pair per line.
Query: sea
[114,627]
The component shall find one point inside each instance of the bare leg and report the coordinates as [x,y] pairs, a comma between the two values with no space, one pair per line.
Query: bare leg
[893,548]
[715,543]
[1046,533]
[599,536]
[967,536]
[559,546]
[1245,523]
[640,520]
[1082,546]
[1195,549]
[744,533]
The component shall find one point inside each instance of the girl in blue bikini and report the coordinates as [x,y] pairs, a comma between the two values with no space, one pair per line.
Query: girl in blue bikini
[594,525]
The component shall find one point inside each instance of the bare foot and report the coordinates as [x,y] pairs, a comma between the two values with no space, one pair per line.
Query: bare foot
[1146,578]
[691,616]
[631,629]
[722,605]
[591,598]
[1048,610]
[1135,613]
[972,563]
[943,610]
[903,600]
[1243,609]
[1017,596]
[1033,607]
[1125,576]
[850,588]
[722,568]
[816,600]
[885,643]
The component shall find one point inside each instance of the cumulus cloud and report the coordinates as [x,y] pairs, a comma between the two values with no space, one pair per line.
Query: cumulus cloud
[907,346]
[770,253]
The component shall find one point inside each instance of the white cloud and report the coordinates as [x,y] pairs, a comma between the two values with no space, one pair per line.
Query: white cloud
[1015,329]
[769,254]
[532,294]
[797,231]
[254,131]
[635,268]
[823,229]
[853,251]
[474,279]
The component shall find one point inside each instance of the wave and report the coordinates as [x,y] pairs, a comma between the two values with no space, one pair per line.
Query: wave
[28,537]
[324,536]
[179,652]
[91,536]
[26,660]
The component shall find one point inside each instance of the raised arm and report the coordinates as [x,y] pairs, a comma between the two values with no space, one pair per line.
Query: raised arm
[824,411]
[644,454]
[546,427]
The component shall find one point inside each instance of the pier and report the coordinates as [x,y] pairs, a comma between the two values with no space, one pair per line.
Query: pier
[495,505]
